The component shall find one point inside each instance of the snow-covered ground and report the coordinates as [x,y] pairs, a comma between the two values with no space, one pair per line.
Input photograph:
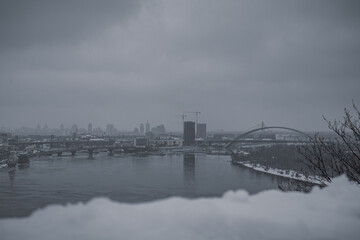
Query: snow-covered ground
[330,213]
[284,173]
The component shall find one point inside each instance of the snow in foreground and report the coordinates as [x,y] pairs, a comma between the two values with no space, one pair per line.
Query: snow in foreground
[331,213]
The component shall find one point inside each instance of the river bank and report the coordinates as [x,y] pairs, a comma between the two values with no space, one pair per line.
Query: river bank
[281,172]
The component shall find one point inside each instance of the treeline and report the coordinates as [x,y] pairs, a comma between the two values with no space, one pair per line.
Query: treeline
[286,157]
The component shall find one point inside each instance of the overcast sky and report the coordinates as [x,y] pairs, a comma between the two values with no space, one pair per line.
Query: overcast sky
[238,62]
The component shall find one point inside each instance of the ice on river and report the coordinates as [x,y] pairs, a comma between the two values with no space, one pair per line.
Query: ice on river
[330,213]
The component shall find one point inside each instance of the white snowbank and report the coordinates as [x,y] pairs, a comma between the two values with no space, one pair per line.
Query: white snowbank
[331,213]
[284,173]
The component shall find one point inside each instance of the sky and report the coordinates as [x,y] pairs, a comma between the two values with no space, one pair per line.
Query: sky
[239,63]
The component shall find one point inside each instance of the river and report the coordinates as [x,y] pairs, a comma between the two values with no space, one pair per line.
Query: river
[123,178]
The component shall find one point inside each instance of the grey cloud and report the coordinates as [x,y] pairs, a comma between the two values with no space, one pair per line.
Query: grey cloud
[238,62]
[38,22]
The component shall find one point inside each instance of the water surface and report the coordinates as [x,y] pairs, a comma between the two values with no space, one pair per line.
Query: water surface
[124,178]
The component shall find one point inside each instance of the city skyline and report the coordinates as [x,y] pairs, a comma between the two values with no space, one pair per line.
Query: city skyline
[286,63]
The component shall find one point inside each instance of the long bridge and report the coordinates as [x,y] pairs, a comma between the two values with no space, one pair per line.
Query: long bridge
[241,138]
[72,146]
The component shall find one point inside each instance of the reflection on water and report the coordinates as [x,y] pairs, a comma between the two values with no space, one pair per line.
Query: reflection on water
[12,171]
[12,175]
[189,169]
[24,165]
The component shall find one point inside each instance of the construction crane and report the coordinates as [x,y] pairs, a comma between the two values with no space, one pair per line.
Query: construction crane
[183,116]
[196,116]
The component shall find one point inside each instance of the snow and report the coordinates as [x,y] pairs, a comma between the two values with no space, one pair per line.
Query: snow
[330,213]
[285,173]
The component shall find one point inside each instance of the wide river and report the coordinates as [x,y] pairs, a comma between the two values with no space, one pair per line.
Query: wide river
[124,178]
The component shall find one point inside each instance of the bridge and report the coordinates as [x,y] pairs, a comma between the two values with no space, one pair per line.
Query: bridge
[72,146]
[90,149]
[240,138]
[65,142]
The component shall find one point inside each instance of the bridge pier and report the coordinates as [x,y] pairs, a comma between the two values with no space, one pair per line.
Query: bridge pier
[59,154]
[73,153]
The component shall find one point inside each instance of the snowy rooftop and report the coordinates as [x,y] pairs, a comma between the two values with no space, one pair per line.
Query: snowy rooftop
[331,213]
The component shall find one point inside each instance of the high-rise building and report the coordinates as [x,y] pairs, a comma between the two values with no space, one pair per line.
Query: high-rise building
[90,128]
[147,127]
[201,130]
[189,133]
[107,129]
[142,129]
[112,129]
[38,128]
[158,129]
[74,128]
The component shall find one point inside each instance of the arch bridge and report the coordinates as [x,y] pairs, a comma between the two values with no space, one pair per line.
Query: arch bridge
[236,139]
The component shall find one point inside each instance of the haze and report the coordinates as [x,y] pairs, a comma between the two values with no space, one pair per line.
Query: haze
[239,63]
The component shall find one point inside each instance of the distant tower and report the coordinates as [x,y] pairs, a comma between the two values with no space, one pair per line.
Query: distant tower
[90,128]
[189,133]
[147,128]
[62,132]
[112,129]
[142,129]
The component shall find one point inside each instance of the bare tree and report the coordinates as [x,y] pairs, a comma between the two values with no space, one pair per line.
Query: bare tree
[329,157]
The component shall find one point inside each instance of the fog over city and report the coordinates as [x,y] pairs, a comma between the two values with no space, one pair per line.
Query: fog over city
[286,63]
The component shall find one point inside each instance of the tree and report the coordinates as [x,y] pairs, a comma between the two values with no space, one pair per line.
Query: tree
[329,157]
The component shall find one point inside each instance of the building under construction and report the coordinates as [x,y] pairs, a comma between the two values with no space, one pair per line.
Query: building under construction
[201,130]
[189,133]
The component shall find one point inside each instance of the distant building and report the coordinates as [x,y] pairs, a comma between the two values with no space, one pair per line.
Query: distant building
[158,130]
[201,130]
[74,128]
[169,142]
[4,138]
[98,132]
[189,133]
[90,128]
[141,142]
[38,128]
[142,129]
[147,128]
[62,130]
[150,135]
[136,131]
[111,130]
[107,129]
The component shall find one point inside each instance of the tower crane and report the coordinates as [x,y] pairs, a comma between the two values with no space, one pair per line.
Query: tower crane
[183,116]
[196,115]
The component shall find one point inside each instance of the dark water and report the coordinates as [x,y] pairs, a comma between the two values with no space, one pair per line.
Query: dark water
[124,178]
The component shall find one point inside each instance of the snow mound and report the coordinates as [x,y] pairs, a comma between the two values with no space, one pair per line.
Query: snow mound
[330,213]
